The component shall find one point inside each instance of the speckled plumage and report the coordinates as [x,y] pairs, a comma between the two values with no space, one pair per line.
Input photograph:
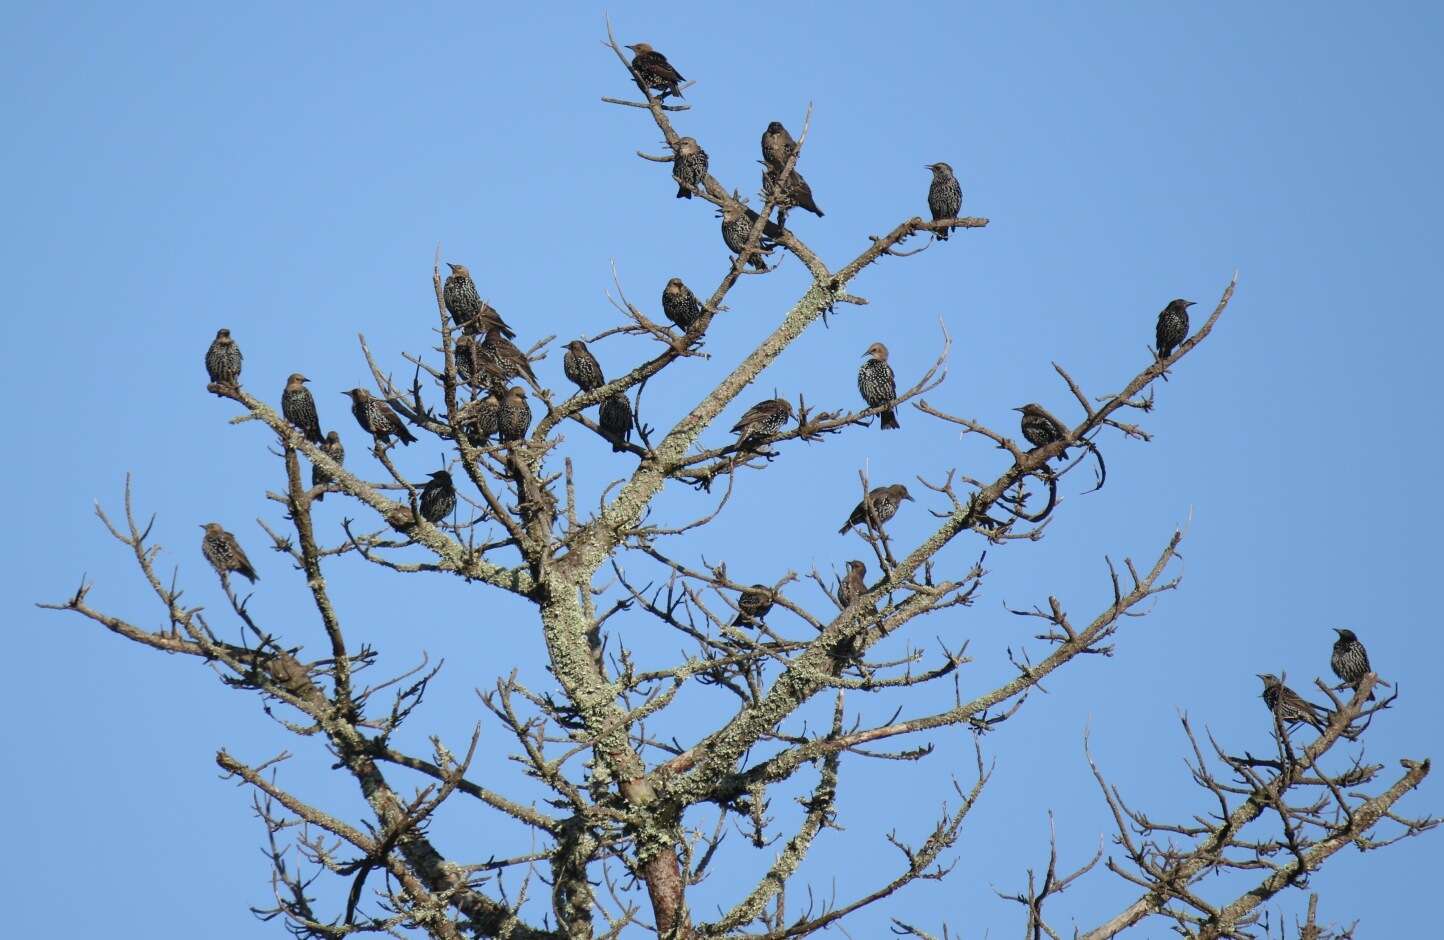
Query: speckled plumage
[777,146]
[655,71]
[1040,428]
[478,419]
[298,406]
[877,384]
[762,420]
[883,502]
[794,192]
[615,420]
[223,359]
[1350,661]
[468,311]
[689,167]
[438,497]
[502,360]
[513,418]
[680,304]
[753,604]
[579,365]
[377,419]
[332,448]
[1172,327]
[737,222]
[1288,705]
[945,196]
[225,554]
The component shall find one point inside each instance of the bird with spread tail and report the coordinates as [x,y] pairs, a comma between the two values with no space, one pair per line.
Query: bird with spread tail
[655,71]
[878,384]
[945,196]
[223,359]
[377,419]
[880,505]
[225,554]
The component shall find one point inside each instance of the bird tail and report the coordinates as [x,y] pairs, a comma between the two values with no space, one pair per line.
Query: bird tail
[684,191]
[320,496]
[889,420]
[249,574]
[811,206]
[406,436]
[757,262]
[846,526]
[941,234]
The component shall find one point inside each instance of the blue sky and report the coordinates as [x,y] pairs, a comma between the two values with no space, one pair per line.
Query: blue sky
[288,172]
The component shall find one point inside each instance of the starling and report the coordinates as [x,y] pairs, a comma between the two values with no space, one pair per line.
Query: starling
[582,367]
[1040,428]
[469,366]
[795,192]
[878,385]
[655,71]
[468,311]
[502,360]
[1172,327]
[1288,705]
[680,304]
[477,419]
[615,421]
[299,407]
[737,222]
[761,420]
[689,167]
[331,448]
[945,196]
[883,502]
[1350,660]
[438,497]
[514,416]
[753,605]
[854,585]
[224,553]
[376,418]
[777,146]
[223,359]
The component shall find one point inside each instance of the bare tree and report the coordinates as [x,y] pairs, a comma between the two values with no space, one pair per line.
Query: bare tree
[622,832]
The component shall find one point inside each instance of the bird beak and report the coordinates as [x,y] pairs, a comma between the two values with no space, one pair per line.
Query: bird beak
[1188,303]
[1017,409]
[1338,631]
[909,498]
[1259,674]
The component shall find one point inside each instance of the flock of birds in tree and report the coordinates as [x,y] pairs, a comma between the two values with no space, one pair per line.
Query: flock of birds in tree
[487,360]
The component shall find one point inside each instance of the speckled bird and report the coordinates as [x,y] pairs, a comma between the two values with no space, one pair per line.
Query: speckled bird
[762,420]
[1290,707]
[438,497]
[615,420]
[795,192]
[854,585]
[377,419]
[689,167]
[1172,327]
[469,366]
[225,554]
[332,448]
[478,419]
[680,304]
[223,359]
[298,406]
[753,604]
[1350,661]
[502,360]
[468,311]
[1040,428]
[513,418]
[582,367]
[878,385]
[655,71]
[777,146]
[883,502]
[737,222]
[945,196]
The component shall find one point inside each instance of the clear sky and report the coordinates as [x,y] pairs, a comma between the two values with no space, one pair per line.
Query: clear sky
[287,170]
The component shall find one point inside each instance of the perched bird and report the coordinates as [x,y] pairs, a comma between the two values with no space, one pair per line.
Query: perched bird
[878,385]
[753,604]
[1350,660]
[478,419]
[502,360]
[854,585]
[438,497]
[680,304]
[224,553]
[1290,707]
[377,419]
[881,503]
[513,418]
[794,192]
[468,311]
[945,196]
[1172,327]
[737,222]
[689,167]
[615,420]
[655,71]
[299,407]
[469,366]
[1040,428]
[223,359]
[332,448]
[762,420]
[582,367]
[777,146]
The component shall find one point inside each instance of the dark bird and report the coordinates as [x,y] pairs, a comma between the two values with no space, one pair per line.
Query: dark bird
[376,418]
[223,359]
[878,385]
[438,497]
[1040,428]
[1288,705]
[502,360]
[513,418]
[468,358]
[777,146]
[680,304]
[299,407]
[468,311]
[224,553]
[689,167]
[478,419]
[881,503]
[1172,327]
[945,196]
[762,420]
[332,448]
[737,222]
[794,192]
[753,604]
[854,585]
[582,367]
[1350,660]
[615,420]
[655,71]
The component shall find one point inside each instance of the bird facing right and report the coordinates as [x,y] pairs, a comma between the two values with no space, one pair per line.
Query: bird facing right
[878,385]
[298,406]
[854,585]
[945,196]
[1350,661]
[762,420]
[225,554]
[1172,327]
[880,505]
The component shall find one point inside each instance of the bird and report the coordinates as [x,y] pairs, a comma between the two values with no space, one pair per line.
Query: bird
[377,419]
[299,407]
[615,420]
[438,497]
[881,503]
[1350,661]
[794,192]
[753,604]
[468,311]
[225,554]
[655,71]
[1172,327]
[467,356]
[223,359]
[680,304]
[853,585]
[1290,707]
[737,222]
[502,360]
[945,196]
[332,448]
[777,146]
[1040,428]
[761,420]
[478,419]
[878,385]
[582,367]
[513,418]
[689,167]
